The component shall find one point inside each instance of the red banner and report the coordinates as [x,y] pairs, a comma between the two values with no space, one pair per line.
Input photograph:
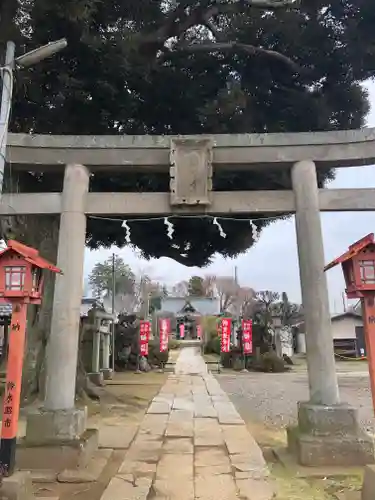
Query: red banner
[247,336]
[144,335]
[226,329]
[199,332]
[164,329]
[182,331]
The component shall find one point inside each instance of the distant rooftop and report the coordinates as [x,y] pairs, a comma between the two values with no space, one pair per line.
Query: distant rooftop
[204,306]
[350,313]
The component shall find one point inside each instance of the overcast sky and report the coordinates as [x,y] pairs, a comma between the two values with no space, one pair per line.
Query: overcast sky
[272,264]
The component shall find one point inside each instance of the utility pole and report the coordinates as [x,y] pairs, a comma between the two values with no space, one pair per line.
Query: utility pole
[6,104]
[344,301]
[23,61]
[113,309]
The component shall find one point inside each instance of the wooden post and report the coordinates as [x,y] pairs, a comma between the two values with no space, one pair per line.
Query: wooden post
[368,313]
[7,321]
[12,396]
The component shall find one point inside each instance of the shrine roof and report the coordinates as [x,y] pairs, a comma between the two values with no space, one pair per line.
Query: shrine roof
[30,255]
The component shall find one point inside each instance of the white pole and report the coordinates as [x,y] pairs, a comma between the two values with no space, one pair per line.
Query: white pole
[6,103]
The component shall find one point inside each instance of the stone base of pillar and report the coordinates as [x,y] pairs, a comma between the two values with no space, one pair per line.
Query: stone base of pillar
[96,378]
[17,487]
[368,489]
[47,426]
[56,440]
[107,373]
[329,435]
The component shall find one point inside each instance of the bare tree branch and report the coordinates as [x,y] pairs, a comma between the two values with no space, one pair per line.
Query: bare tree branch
[272,4]
[214,30]
[180,20]
[233,46]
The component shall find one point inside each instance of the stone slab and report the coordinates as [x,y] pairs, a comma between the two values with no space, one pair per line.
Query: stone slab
[181,415]
[204,411]
[220,398]
[173,488]
[154,424]
[175,465]
[203,399]
[238,440]
[149,451]
[185,404]
[178,445]
[159,407]
[88,474]
[249,470]
[204,425]
[236,446]
[17,487]
[164,398]
[139,469]
[213,470]
[179,429]
[209,457]
[209,440]
[127,487]
[116,437]
[207,432]
[229,419]
[215,487]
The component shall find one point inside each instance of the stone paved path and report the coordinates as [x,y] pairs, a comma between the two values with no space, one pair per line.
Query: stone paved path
[191,445]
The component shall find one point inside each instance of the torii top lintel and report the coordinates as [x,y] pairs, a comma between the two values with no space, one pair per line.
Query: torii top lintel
[354,250]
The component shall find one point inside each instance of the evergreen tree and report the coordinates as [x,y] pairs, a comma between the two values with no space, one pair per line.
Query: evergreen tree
[189,67]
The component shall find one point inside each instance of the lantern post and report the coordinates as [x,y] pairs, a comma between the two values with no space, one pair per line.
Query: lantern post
[358,265]
[21,283]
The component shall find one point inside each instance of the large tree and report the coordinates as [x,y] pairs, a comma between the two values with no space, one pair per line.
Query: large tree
[113,269]
[180,67]
[235,66]
[196,287]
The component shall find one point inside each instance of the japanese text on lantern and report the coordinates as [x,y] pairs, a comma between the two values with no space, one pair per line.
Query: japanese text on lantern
[164,328]
[247,336]
[144,331]
[226,327]
[8,417]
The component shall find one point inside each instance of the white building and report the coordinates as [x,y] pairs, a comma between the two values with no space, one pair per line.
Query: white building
[347,333]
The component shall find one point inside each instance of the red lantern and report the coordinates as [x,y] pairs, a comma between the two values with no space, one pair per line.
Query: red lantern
[358,265]
[21,273]
[21,283]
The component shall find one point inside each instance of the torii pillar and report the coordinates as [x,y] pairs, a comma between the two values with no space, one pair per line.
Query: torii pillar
[59,420]
[328,432]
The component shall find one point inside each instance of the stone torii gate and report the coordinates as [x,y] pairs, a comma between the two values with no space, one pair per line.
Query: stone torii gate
[190,161]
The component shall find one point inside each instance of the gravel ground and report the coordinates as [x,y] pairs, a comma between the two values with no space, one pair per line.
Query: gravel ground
[272,398]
